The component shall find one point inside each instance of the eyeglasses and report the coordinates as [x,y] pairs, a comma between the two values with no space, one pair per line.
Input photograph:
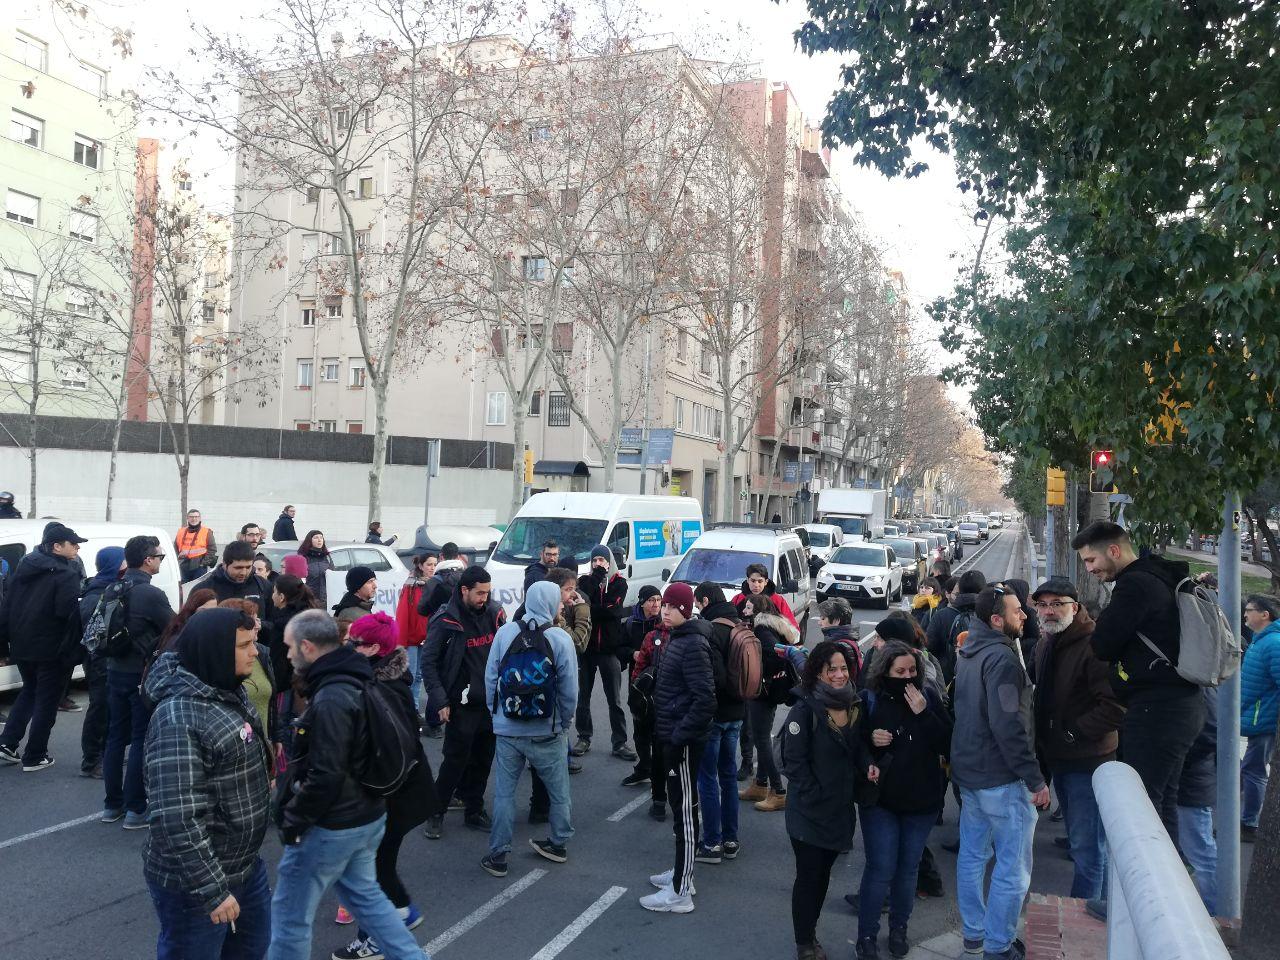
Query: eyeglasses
[1055,605]
[156,556]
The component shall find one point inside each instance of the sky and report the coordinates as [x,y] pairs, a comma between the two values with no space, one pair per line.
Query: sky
[921,224]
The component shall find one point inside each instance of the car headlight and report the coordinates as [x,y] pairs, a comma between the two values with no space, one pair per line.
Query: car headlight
[875,579]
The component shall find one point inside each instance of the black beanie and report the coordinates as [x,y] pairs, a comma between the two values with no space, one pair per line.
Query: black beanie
[357,577]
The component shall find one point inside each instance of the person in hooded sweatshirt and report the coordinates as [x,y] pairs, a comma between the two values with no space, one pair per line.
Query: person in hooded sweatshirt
[330,825]
[357,602]
[606,591]
[1163,712]
[684,700]
[1031,633]
[283,530]
[947,623]
[835,618]
[779,641]
[758,583]
[93,734]
[645,618]
[536,733]
[208,766]
[234,579]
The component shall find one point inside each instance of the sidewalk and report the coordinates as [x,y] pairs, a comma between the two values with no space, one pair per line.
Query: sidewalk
[1246,568]
[1056,928]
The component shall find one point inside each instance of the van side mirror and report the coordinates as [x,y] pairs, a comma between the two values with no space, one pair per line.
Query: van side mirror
[666,573]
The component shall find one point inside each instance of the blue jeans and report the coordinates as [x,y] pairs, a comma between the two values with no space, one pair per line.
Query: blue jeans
[1253,777]
[1000,819]
[1195,837]
[127,718]
[718,784]
[894,843]
[549,757]
[344,860]
[1084,831]
[415,678]
[187,933]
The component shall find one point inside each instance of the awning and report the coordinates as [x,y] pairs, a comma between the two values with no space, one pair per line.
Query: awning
[561,468]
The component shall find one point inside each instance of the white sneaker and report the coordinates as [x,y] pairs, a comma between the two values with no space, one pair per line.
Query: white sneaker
[665,879]
[667,900]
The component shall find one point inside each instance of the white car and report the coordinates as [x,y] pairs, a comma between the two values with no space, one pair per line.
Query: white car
[970,532]
[723,553]
[823,538]
[862,572]
[996,521]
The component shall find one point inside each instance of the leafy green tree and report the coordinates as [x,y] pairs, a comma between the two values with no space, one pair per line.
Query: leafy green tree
[1134,146]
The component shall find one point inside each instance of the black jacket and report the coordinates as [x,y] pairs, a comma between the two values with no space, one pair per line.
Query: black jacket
[911,776]
[254,588]
[607,595]
[1143,602]
[440,588]
[941,645]
[40,612]
[638,627]
[331,741]
[283,530]
[416,799]
[280,665]
[351,608]
[684,695]
[722,617]
[533,573]
[448,633]
[149,614]
[823,767]
[1199,784]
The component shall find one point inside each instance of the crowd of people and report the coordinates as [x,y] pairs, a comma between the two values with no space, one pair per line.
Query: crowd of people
[261,702]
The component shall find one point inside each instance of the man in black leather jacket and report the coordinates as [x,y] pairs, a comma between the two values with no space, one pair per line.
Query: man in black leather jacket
[330,824]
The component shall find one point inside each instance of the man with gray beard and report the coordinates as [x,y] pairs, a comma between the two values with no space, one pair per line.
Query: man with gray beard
[1077,722]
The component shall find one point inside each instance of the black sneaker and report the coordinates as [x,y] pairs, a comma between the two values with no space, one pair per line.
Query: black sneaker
[731,848]
[456,804]
[539,816]
[434,733]
[973,944]
[44,763]
[625,752]
[555,852]
[658,810]
[705,854]
[1248,834]
[580,748]
[434,825]
[745,771]
[635,779]
[9,754]
[357,949]
[67,705]
[495,864]
[574,765]
[867,949]
[92,773]
[1096,908]
[898,945]
[478,821]
[1062,843]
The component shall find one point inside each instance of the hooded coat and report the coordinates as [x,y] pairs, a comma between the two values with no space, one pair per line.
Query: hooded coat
[207,769]
[1260,684]
[283,531]
[1077,714]
[684,695]
[40,612]
[541,605]
[450,632]
[941,642]
[606,592]
[994,741]
[723,616]
[1143,602]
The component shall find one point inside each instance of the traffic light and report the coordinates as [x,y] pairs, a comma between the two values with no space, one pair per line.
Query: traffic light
[1102,471]
[1055,488]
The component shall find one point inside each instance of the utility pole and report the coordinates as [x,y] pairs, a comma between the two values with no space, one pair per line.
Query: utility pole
[433,468]
[1228,809]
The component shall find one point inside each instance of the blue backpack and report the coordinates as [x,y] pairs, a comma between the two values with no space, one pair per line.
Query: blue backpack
[526,687]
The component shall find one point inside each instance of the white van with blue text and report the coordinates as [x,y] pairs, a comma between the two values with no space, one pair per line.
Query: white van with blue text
[650,533]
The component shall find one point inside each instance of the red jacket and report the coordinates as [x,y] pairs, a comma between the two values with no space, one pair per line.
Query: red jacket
[779,601]
[412,624]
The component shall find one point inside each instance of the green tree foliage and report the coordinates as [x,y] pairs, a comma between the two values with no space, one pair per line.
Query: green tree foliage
[1134,146]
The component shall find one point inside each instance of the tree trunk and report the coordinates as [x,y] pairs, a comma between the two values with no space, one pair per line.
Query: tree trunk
[376,468]
[1260,929]
[728,502]
[115,456]
[609,452]
[517,459]
[1096,507]
[1254,545]
[1064,558]
[184,483]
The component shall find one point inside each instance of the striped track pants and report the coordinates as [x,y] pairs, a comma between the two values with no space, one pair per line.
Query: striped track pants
[682,793]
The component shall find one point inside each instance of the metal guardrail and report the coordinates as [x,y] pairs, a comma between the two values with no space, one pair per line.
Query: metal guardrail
[1154,911]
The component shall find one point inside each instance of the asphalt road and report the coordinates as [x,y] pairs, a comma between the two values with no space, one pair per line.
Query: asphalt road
[73,887]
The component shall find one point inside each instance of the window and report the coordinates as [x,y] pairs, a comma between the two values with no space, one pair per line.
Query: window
[366,188]
[329,368]
[90,79]
[31,52]
[540,133]
[534,268]
[72,376]
[535,404]
[704,362]
[79,301]
[569,200]
[562,338]
[504,202]
[19,286]
[355,373]
[362,240]
[567,270]
[84,226]
[367,115]
[26,129]
[22,207]
[558,410]
[327,426]
[303,425]
[336,244]
[375,560]
[333,310]
[699,419]
[15,366]
[682,344]
[355,426]
[185,184]
[311,194]
[305,373]
[308,314]
[310,247]
[620,540]
[342,117]
[88,153]
[208,312]
[679,413]
[495,412]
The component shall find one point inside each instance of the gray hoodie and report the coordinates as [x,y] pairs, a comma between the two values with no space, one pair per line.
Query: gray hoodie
[994,739]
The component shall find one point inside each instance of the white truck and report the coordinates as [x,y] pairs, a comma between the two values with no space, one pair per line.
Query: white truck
[859,513]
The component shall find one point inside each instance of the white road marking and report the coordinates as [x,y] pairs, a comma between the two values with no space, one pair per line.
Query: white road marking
[484,911]
[48,830]
[575,929]
[631,807]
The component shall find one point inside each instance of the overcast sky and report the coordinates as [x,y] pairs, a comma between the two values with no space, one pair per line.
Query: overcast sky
[921,223]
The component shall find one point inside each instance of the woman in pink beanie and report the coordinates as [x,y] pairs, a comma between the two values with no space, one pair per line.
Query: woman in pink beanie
[295,565]
[377,630]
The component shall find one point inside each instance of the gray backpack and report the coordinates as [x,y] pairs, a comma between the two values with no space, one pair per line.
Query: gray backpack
[1209,651]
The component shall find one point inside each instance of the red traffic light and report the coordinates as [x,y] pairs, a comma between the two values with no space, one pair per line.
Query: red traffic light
[1100,464]
[1101,458]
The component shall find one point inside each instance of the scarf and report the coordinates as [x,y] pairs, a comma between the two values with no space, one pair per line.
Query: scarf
[207,647]
[834,698]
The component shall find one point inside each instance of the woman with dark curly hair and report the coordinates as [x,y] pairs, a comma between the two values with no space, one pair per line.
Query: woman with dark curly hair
[319,562]
[825,756]
[907,729]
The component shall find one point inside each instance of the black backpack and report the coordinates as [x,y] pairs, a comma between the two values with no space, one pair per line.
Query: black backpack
[526,687]
[437,592]
[107,632]
[393,741]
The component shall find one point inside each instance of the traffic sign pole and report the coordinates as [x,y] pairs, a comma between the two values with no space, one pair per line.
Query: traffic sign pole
[1228,810]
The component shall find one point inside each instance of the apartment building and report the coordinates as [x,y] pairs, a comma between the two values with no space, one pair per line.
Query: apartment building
[67,178]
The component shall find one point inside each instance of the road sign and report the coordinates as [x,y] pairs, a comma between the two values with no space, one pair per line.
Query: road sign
[791,471]
[631,440]
[806,471]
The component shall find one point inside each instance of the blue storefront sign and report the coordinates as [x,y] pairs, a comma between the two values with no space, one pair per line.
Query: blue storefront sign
[631,440]
[664,538]
[791,471]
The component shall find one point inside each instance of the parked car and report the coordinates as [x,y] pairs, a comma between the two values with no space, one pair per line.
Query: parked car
[911,556]
[345,555]
[862,572]
[723,553]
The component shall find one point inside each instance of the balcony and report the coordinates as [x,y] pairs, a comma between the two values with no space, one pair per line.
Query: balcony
[814,202]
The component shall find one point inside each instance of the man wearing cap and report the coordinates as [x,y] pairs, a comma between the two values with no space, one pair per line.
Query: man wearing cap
[1077,722]
[39,631]
[7,510]
[357,602]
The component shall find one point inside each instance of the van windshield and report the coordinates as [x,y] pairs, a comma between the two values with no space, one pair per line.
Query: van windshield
[817,539]
[522,543]
[853,526]
[727,567]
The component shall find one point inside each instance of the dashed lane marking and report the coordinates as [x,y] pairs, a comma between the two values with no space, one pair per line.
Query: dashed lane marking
[632,807]
[575,929]
[35,834]
[484,911]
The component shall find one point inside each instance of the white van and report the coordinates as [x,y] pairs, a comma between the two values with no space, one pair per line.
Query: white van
[651,534]
[20,537]
[823,538]
[724,552]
